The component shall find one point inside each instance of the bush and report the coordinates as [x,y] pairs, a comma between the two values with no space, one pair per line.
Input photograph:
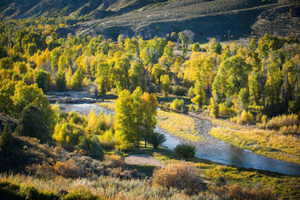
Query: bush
[185,151]
[68,169]
[225,111]
[93,147]
[179,176]
[68,134]
[178,105]
[244,118]
[107,139]
[156,139]
[80,194]
[293,130]
[283,120]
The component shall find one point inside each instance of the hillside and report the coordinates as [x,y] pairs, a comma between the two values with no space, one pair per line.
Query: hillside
[223,19]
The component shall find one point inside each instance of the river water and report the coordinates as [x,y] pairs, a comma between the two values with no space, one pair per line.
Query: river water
[211,148]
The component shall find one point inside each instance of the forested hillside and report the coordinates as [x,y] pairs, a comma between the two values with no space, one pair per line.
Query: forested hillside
[225,20]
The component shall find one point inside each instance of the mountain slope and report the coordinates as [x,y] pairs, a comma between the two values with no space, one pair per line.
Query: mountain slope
[224,19]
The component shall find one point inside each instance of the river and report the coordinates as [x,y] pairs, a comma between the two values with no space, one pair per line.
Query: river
[211,148]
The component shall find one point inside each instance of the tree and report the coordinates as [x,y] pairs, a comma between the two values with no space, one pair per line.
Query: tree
[43,80]
[185,151]
[124,125]
[25,95]
[165,83]
[178,105]
[33,123]
[77,79]
[135,118]
[60,81]
[156,139]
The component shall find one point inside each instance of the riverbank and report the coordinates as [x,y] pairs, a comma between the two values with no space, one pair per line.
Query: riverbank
[264,142]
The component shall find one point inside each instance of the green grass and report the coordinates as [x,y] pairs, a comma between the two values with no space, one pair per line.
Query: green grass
[268,143]
[179,125]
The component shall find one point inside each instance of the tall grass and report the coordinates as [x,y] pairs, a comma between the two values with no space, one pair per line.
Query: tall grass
[265,142]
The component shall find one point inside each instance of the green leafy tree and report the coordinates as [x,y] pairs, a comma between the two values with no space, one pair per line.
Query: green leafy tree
[165,83]
[33,123]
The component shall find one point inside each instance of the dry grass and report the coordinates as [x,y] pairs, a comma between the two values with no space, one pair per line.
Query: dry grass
[107,188]
[264,142]
[68,169]
[180,125]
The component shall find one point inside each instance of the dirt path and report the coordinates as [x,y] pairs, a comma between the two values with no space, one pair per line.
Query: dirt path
[143,159]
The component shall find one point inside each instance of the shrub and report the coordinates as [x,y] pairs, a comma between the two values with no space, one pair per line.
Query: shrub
[283,120]
[80,194]
[156,139]
[114,161]
[178,105]
[225,111]
[107,139]
[67,134]
[245,118]
[185,151]
[68,169]
[179,176]
[93,147]
[293,130]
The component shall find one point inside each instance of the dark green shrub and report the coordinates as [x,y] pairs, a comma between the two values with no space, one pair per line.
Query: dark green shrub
[80,194]
[185,151]
[156,139]
[93,147]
